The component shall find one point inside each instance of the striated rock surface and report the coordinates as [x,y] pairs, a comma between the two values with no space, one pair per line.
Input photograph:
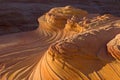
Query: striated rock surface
[69,44]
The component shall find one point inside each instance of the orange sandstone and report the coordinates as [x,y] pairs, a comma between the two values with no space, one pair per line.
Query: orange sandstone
[66,46]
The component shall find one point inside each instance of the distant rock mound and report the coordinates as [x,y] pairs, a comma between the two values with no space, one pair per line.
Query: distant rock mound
[23,16]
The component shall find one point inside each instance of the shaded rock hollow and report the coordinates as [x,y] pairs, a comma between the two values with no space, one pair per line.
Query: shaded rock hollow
[69,44]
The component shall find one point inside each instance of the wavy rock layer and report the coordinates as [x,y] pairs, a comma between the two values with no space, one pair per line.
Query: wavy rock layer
[58,50]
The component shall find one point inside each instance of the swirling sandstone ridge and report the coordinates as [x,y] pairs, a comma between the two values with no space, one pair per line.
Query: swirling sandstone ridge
[69,44]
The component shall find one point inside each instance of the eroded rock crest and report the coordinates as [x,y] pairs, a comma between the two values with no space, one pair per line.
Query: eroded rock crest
[57,17]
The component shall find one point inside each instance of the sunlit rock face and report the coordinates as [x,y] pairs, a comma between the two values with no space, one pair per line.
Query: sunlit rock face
[69,44]
[57,17]
[114,47]
[85,56]
[88,22]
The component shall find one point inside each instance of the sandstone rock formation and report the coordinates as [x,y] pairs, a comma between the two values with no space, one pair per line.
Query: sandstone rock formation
[114,47]
[86,23]
[26,12]
[60,15]
[67,45]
